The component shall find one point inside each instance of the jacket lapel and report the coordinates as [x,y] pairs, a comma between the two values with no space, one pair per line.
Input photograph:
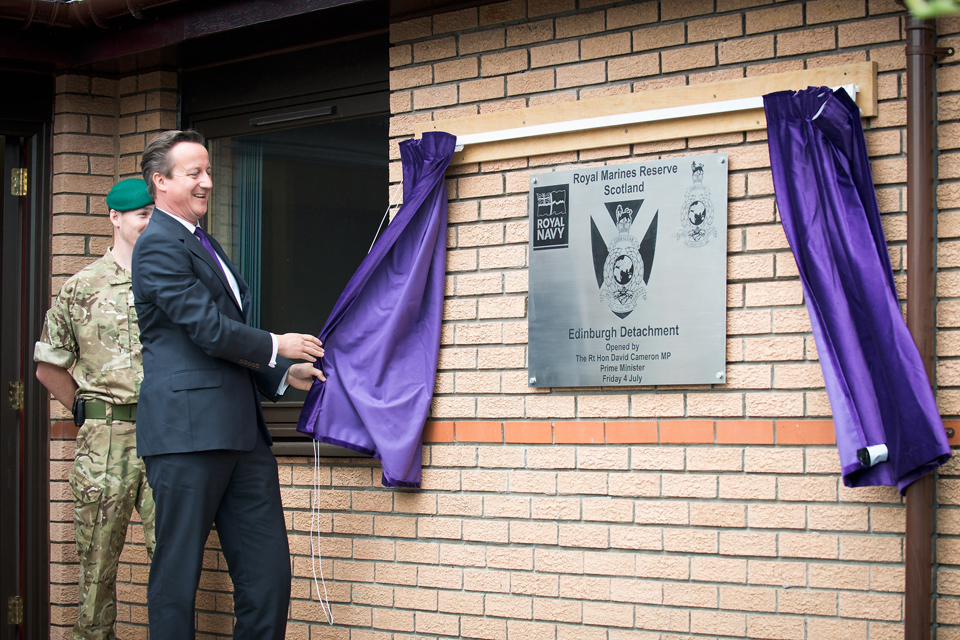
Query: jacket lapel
[193,244]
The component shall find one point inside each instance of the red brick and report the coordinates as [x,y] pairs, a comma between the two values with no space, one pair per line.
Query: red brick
[631,432]
[528,432]
[805,432]
[744,432]
[578,432]
[438,432]
[686,431]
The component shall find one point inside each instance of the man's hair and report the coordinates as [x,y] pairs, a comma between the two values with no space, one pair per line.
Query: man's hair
[156,156]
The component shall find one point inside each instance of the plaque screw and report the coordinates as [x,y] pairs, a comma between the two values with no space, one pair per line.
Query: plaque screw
[533,381]
[723,160]
[719,375]
[534,181]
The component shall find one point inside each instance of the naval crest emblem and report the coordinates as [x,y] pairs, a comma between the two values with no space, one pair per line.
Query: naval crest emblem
[696,213]
[623,264]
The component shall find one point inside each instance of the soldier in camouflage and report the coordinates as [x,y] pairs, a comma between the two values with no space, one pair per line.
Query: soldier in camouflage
[92,327]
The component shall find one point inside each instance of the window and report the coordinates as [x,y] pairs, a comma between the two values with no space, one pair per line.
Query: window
[301,183]
[297,211]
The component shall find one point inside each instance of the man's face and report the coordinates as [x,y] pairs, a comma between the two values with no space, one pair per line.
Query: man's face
[128,225]
[185,192]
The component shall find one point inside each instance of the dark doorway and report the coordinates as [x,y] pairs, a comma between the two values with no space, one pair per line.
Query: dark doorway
[24,430]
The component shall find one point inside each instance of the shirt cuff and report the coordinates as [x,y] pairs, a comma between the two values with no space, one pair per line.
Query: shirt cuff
[273,356]
[283,383]
[44,352]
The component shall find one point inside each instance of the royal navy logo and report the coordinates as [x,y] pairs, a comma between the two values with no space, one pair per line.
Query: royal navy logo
[696,214]
[623,264]
[551,217]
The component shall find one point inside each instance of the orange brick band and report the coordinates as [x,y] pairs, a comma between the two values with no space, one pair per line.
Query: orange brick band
[782,432]
[765,432]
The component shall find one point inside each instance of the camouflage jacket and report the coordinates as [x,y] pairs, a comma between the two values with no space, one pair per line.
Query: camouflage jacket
[93,327]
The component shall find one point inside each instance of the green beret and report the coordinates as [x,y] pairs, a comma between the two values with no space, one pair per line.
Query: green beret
[128,195]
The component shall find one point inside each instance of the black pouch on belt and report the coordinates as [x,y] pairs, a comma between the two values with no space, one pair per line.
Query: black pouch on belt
[79,415]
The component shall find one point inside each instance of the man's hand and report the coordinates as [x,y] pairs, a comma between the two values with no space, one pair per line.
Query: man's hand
[299,346]
[301,375]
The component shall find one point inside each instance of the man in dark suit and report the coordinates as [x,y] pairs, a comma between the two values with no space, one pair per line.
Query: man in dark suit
[200,426]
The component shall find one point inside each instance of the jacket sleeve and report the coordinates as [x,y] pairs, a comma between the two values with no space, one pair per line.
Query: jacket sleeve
[164,276]
[268,380]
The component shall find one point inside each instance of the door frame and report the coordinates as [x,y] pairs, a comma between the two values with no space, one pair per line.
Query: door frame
[34,297]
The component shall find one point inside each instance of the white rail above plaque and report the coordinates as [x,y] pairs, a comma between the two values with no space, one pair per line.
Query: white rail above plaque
[713,108]
[637,117]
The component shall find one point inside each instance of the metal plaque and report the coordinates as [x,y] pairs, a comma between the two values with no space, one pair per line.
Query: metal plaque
[628,269]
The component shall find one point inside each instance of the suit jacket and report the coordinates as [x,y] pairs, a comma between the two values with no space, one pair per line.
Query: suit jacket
[202,362]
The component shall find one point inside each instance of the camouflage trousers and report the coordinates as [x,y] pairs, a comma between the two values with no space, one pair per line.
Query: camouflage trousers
[108,482]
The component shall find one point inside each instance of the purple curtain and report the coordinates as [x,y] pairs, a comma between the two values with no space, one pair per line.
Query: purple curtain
[878,389]
[382,338]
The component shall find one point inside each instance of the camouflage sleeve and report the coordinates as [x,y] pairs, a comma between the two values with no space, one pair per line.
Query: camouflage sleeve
[58,343]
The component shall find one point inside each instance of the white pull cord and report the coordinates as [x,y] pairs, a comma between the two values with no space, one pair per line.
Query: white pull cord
[315,558]
[393,201]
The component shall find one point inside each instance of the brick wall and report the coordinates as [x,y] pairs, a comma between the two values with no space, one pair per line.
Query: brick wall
[600,541]
[602,513]
[100,128]
[642,513]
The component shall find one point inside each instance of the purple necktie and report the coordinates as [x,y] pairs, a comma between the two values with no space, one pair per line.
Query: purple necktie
[205,241]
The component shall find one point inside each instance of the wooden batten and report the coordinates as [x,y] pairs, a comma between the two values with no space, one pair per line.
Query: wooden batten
[864,75]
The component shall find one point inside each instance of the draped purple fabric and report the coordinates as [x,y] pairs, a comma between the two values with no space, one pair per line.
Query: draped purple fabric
[382,338]
[875,379]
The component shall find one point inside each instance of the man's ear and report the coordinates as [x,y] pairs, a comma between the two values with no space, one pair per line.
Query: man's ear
[115,218]
[159,181]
